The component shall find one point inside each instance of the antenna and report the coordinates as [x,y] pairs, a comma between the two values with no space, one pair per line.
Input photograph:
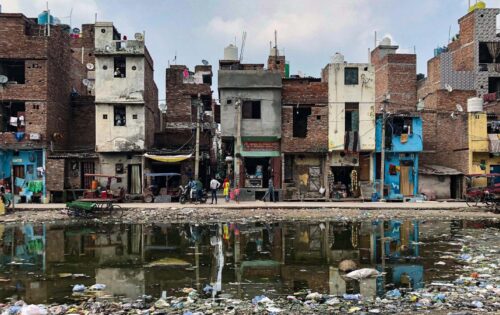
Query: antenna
[243,40]
[276,39]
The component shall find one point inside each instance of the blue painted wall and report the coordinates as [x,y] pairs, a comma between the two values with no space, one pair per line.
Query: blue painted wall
[415,140]
[30,159]
[398,154]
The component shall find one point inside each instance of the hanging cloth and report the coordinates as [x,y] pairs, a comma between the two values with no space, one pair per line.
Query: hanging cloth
[494,50]
[19,136]
[13,121]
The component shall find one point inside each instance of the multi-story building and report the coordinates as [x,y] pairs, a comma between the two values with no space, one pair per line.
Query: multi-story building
[250,98]
[189,104]
[38,78]
[396,94]
[351,127]
[126,105]
[467,67]
[304,141]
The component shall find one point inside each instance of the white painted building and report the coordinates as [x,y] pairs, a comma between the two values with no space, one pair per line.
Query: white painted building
[351,120]
[126,100]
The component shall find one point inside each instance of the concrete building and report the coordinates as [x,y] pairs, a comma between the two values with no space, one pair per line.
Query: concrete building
[126,105]
[39,77]
[250,99]
[188,99]
[304,142]
[351,127]
[467,67]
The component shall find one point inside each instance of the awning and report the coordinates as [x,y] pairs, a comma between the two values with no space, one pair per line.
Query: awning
[431,169]
[494,143]
[168,158]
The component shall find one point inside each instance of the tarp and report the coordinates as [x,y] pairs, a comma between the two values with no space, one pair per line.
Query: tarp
[168,158]
[494,143]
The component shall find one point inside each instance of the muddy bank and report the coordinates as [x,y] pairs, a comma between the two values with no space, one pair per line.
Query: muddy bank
[243,215]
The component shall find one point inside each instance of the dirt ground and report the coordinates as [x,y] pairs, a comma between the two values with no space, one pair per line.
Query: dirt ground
[248,212]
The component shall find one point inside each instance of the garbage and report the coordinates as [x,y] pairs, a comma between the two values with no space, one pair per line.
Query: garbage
[33,310]
[352,297]
[477,304]
[363,273]
[97,287]
[347,265]
[78,288]
[314,296]
[262,299]
[393,294]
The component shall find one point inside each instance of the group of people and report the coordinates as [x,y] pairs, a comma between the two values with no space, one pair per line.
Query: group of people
[226,190]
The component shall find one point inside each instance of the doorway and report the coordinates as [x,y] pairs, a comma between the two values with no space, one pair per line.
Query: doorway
[86,168]
[18,173]
[134,179]
[406,180]
[495,169]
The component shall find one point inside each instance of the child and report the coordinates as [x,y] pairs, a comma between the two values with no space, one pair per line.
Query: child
[225,187]
[237,194]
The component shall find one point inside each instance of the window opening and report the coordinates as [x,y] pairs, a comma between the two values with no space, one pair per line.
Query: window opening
[13,117]
[493,85]
[13,70]
[105,116]
[493,124]
[120,66]
[120,116]
[251,110]
[351,76]
[207,79]
[351,117]
[300,116]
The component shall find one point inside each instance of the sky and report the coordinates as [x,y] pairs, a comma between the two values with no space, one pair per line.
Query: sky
[309,31]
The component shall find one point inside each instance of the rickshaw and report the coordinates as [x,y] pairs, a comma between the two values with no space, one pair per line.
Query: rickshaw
[154,190]
[488,195]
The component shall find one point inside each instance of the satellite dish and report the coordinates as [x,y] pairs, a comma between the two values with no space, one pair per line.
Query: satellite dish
[86,82]
[76,30]
[90,66]
[107,48]
[204,62]
[452,115]
[448,87]
[3,79]
[139,36]
[459,108]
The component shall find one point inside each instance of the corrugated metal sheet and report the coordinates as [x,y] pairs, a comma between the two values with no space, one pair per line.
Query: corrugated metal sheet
[431,169]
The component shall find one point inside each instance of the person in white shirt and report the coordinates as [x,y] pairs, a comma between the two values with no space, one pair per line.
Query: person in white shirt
[214,185]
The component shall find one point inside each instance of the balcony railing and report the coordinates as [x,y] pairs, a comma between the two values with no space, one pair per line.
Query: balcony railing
[491,97]
[131,47]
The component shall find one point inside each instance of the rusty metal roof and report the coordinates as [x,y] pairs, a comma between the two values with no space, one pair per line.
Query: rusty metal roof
[432,169]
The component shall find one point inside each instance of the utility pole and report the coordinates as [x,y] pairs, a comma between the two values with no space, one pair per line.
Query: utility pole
[382,147]
[12,187]
[237,148]
[197,152]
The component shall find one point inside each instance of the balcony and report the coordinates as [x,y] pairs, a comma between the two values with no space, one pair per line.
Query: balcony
[491,97]
[122,47]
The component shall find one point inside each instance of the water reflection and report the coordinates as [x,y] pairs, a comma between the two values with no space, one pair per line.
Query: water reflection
[41,263]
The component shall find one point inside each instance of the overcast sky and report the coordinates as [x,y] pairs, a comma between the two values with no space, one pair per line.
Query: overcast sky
[309,31]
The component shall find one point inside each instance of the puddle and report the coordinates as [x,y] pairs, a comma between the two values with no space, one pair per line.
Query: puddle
[42,263]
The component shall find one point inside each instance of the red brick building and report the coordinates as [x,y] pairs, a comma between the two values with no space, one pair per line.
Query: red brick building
[39,78]
[304,141]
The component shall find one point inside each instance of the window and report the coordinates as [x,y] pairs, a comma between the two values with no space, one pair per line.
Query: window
[120,116]
[13,70]
[12,117]
[134,116]
[105,116]
[120,67]
[351,117]
[493,85]
[251,110]
[493,124]
[207,79]
[351,76]
[300,116]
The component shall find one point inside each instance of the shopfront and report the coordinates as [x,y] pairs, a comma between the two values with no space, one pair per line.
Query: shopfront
[25,170]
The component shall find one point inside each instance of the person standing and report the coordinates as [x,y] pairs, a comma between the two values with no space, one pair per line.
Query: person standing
[270,190]
[225,187]
[214,185]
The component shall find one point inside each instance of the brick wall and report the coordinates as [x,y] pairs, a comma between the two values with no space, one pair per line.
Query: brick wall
[152,114]
[179,108]
[396,75]
[54,170]
[308,92]
[277,63]
[82,124]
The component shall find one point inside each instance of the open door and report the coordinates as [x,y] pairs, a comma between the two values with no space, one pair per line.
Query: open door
[406,180]
[18,173]
[134,179]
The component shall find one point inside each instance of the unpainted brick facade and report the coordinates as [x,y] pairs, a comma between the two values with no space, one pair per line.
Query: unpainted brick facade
[300,93]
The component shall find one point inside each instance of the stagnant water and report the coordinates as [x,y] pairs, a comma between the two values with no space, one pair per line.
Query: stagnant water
[42,263]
